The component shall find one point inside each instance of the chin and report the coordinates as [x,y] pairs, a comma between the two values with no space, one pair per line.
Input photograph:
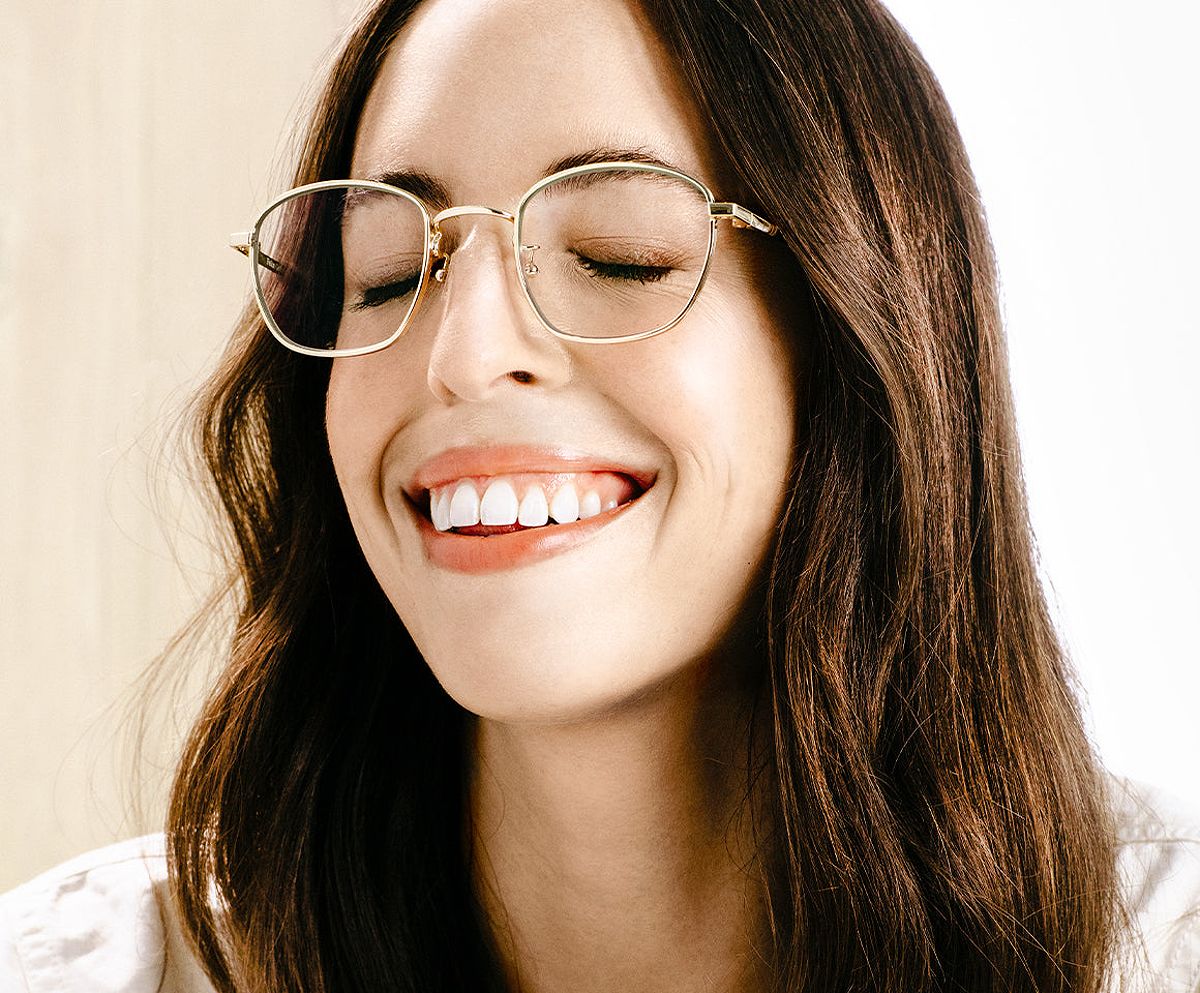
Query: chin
[537,681]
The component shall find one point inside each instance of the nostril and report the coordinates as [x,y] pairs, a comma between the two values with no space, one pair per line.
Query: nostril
[521,376]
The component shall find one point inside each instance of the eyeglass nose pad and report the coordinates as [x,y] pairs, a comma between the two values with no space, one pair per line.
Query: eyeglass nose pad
[530,266]
[439,267]
[441,262]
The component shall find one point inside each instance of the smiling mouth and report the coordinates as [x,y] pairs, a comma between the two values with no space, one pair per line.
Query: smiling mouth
[483,506]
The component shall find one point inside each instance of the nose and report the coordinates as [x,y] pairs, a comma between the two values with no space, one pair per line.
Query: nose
[486,337]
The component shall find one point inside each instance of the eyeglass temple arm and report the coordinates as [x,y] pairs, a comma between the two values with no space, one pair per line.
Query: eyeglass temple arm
[741,217]
[240,241]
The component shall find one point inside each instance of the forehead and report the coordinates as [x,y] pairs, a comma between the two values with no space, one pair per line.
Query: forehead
[483,94]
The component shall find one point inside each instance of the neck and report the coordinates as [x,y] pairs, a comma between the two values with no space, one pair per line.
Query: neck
[618,852]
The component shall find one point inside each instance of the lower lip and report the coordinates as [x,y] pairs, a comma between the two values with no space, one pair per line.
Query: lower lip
[475,555]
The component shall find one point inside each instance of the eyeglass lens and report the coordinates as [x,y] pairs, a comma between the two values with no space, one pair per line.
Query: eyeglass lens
[603,254]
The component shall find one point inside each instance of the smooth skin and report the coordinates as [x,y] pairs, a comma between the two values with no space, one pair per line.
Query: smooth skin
[609,682]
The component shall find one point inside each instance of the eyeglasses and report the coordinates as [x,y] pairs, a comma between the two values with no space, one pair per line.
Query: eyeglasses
[605,253]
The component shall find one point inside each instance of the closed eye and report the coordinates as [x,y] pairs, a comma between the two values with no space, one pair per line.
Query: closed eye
[623,272]
[376,296]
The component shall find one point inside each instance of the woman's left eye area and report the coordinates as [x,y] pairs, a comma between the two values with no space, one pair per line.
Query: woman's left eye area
[623,272]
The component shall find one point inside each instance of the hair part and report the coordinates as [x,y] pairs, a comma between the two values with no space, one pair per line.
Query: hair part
[941,820]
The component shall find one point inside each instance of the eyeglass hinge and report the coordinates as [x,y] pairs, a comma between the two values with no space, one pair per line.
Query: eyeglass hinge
[740,217]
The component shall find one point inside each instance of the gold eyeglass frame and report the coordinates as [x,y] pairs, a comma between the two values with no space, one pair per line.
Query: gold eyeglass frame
[248,244]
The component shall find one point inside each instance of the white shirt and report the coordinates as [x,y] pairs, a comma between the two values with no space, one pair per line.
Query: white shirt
[103,923]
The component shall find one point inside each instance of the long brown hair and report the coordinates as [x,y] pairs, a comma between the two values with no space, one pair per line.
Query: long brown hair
[942,823]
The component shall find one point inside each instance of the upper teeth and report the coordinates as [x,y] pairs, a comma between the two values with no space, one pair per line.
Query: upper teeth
[458,504]
[533,511]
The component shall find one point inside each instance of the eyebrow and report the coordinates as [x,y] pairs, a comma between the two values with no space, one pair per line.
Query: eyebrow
[435,193]
[609,153]
[421,184]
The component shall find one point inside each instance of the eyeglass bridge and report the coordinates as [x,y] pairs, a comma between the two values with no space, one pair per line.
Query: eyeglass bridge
[441,262]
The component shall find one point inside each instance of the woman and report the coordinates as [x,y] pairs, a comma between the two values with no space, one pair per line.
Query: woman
[636,587]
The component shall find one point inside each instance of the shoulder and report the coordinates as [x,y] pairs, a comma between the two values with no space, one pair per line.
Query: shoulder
[1158,856]
[100,923]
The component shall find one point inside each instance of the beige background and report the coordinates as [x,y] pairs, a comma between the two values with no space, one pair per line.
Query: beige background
[136,135]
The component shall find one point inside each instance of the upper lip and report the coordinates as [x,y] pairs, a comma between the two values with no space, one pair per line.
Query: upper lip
[501,459]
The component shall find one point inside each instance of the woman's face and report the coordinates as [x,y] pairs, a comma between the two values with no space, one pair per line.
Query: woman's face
[574,619]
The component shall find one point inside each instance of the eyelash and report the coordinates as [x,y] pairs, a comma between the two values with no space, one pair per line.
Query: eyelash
[626,273]
[376,296]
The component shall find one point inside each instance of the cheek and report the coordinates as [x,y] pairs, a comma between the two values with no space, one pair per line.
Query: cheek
[720,394]
[723,396]
[361,415]
[349,435]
